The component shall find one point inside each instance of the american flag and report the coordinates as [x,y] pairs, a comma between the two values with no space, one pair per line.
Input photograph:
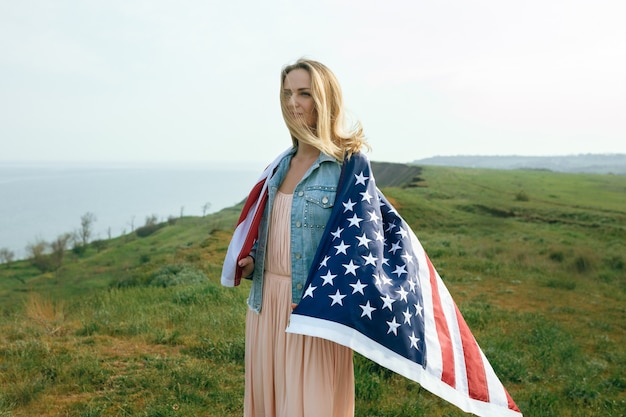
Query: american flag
[372,288]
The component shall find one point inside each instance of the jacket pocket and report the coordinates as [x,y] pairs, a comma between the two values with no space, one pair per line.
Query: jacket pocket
[319,202]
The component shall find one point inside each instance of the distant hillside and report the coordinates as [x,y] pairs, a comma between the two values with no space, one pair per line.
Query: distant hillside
[390,174]
[587,163]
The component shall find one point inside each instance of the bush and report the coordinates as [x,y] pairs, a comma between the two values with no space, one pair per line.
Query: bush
[177,274]
[99,244]
[147,230]
[521,196]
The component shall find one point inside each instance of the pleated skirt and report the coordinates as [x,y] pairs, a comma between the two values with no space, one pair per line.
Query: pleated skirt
[290,375]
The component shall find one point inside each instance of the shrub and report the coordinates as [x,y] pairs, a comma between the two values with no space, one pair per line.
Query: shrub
[177,274]
[582,264]
[147,230]
[556,256]
[100,244]
[150,227]
[521,196]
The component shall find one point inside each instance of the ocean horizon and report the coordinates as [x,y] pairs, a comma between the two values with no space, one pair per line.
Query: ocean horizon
[43,200]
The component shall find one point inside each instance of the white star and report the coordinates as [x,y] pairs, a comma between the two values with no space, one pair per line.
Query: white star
[394,247]
[408,257]
[407,316]
[341,248]
[390,227]
[387,301]
[414,340]
[400,270]
[385,261]
[402,232]
[379,236]
[386,280]
[412,284]
[363,240]
[350,268]
[348,206]
[418,309]
[366,196]
[367,310]
[337,233]
[373,216]
[358,287]
[377,281]
[309,292]
[370,259]
[403,293]
[355,221]
[323,263]
[360,179]
[393,326]
[337,298]
[328,278]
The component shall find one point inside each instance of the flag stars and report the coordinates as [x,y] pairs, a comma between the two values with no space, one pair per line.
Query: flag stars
[407,316]
[366,197]
[341,248]
[379,236]
[408,257]
[351,268]
[323,263]
[363,240]
[360,179]
[402,232]
[418,310]
[370,259]
[394,247]
[393,326]
[337,233]
[358,287]
[309,291]
[355,221]
[328,278]
[367,310]
[387,302]
[337,298]
[414,341]
[400,269]
[349,206]
[373,216]
[403,293]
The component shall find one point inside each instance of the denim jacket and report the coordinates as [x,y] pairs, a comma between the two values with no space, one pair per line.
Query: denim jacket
[312,203]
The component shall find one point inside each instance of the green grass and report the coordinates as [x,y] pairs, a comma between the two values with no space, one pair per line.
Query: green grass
[541,281]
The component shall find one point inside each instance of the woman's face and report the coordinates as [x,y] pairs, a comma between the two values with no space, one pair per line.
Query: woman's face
[297,96]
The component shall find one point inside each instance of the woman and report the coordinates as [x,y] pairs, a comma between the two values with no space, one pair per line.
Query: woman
[291,375]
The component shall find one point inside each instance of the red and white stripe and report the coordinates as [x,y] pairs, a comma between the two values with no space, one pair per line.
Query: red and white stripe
[247,229]
[456,368]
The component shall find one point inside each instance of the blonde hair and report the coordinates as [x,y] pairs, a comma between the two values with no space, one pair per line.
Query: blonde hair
[329,135]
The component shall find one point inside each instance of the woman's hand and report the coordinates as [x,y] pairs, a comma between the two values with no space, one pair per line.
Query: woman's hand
[247,266]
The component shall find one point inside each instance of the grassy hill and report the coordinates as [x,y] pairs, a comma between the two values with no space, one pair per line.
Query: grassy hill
[141,326]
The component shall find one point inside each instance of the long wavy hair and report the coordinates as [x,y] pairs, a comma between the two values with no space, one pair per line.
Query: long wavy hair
[330,135]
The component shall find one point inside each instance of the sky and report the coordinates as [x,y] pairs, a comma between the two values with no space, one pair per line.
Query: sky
[198,80]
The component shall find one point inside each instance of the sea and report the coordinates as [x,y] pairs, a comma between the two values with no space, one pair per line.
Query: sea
[41,201]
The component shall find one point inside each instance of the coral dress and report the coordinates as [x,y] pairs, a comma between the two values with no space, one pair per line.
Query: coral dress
[291,375]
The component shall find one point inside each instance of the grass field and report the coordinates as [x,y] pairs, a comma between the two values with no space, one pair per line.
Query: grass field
[141,327]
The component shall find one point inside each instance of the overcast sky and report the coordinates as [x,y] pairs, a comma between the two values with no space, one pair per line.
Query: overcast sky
[195,80]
